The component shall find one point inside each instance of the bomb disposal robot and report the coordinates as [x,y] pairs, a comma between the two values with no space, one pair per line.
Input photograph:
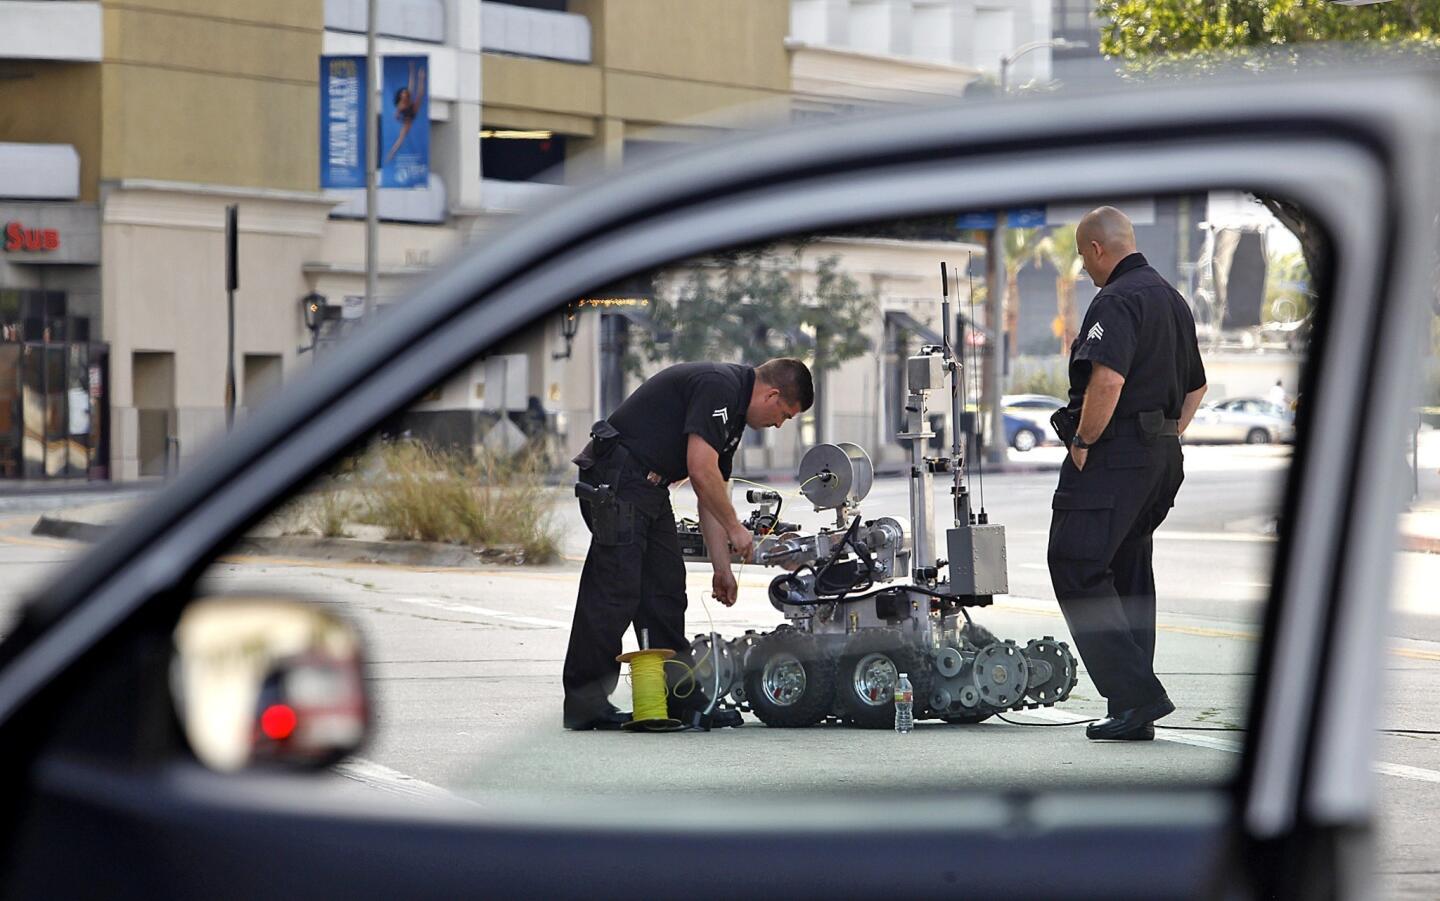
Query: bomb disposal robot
[868,599]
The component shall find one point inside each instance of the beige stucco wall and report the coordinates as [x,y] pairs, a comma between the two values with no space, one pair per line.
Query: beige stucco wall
[212,92]
[738,42]
[163,289]
[54,103]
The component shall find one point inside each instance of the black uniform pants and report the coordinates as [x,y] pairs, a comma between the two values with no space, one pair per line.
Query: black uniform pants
[633,574]
[1100,559]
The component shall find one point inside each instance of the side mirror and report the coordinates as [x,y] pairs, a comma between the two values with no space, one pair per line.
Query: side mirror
[268,681]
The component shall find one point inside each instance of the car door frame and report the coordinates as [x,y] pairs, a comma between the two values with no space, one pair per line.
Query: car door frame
[1351,151]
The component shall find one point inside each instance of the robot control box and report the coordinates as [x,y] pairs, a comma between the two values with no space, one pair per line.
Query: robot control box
[977,560]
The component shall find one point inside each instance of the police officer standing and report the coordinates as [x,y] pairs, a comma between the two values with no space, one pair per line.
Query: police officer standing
[1136,380]
[684,422]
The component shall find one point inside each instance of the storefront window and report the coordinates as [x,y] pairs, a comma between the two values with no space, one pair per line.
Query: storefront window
[50,415]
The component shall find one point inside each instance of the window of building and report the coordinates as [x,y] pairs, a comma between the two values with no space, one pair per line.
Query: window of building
[514,155]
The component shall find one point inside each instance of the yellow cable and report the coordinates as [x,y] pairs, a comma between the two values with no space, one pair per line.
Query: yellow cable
[647,678]
[693,671]
[795,493]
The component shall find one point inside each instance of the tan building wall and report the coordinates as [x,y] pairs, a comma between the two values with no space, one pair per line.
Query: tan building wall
[163,290]
[54,103]
[738,43]
[211,92]
[666,70]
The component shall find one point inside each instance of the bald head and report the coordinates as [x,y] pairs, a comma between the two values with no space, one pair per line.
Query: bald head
[1104,237]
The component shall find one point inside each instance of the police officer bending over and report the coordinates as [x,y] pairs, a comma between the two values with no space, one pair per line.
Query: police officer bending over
[1135,382]
[685,422]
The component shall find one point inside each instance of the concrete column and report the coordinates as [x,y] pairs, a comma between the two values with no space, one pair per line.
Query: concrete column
[591,157]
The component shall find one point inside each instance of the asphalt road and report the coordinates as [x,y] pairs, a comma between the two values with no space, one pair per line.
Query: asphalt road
[465,673]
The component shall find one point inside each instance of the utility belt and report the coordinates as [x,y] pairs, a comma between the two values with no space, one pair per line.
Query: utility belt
[1148,426]
[601,463]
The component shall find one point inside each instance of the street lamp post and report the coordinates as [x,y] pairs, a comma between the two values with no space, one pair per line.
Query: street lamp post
[997,283]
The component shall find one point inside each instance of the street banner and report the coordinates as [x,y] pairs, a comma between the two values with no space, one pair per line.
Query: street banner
[342,121]
[405,123]
[1015,217]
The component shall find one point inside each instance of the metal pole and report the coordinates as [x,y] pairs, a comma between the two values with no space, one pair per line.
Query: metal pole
[955,371]
[372,160]
[232,281]
[995,317]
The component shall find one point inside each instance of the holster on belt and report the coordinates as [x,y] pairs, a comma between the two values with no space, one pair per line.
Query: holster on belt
[597,465]
[1151,424]
[1065,422]
[604,438]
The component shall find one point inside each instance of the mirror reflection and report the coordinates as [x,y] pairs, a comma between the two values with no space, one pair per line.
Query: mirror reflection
[268,681]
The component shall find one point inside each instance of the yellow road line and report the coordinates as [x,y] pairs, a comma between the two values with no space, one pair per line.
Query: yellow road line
[51,543]
[696,579]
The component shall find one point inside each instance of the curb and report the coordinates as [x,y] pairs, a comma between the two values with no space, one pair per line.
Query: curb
[51,527]
[335,550]
[1423,544]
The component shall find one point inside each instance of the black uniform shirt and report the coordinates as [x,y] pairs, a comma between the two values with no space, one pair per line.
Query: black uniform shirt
[705,399]
[1142,328]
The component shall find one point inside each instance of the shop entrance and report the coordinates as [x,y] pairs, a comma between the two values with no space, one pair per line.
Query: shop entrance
[52,391]
[153,375]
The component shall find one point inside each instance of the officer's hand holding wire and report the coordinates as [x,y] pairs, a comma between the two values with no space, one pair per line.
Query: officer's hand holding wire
[742,541]
[724,588]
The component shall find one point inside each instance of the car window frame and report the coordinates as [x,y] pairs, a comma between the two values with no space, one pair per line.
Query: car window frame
[997,164]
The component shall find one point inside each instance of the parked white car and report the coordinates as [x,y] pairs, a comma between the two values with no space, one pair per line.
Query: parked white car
[1248,420]
[1035,410]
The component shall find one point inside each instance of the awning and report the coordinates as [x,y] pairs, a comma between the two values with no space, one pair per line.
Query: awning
[425,204]
[978,336]
[39,171]
[902,320]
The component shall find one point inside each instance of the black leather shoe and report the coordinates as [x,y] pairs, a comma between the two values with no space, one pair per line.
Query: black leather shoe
[609,721]
[1133,724]
[722,718]
[697,721]
[1141,733]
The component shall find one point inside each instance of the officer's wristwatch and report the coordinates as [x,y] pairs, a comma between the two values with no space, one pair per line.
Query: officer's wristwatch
[1079,443]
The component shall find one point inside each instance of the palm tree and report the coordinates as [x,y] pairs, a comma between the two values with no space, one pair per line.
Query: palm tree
[1021,246]
[1058,248]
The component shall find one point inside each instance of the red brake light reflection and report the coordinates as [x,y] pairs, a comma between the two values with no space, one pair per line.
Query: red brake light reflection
[278,722]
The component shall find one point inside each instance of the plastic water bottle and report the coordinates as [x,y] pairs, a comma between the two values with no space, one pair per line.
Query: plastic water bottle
[904,705]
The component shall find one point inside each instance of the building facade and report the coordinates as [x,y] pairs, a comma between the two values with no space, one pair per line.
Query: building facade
[126,131]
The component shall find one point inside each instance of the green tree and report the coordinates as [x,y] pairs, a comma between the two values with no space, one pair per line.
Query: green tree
[1058,248]
[1022,245]
[1287,289]
[1161,35]
[1175,38]
[748,306]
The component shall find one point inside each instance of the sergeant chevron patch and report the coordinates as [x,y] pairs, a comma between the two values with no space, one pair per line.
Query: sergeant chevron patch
[1097,331]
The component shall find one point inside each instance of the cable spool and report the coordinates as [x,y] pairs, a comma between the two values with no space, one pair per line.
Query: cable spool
[834,475]
[647,688]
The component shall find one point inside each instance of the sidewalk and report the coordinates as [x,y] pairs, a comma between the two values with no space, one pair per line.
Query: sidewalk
[1419,531]
[1420,528]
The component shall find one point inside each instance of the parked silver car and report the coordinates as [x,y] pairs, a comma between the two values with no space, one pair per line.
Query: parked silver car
[1035,410]
[1248,420]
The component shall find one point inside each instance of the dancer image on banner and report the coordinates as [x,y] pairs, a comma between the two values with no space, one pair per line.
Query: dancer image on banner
[409,101]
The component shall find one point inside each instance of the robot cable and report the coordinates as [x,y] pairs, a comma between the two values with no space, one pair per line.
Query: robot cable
[1003,718]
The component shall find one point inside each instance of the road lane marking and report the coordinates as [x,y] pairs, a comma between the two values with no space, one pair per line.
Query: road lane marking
[52,543]
[1215,536]
[458,607]
[378,776]
[1230,745]
[1402,771]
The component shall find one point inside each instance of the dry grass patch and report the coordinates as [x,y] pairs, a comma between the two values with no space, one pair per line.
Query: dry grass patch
[418,493]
